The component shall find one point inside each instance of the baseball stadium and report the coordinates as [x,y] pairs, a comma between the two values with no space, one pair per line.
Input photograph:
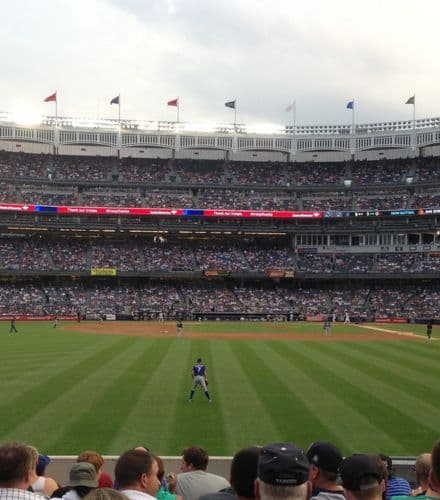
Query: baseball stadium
[112,232]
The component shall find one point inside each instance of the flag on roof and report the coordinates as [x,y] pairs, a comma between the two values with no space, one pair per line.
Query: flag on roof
[173,102]
[350,105]
[115,100]
[411,100]
[230,104]
[290,107]
[51,98]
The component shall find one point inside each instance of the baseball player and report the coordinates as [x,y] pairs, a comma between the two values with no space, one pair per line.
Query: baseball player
[326,327]
[55,321]
[179,328]
[200,377]
[429,329]
[12,327]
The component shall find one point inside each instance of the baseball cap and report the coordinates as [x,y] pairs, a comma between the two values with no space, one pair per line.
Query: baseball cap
[325,456]
[357,468]
[283,464]
[43,462]
[83,474]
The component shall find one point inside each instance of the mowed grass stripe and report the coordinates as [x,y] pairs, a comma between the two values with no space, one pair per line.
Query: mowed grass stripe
[412,396]
[378,401]
[332,409]
[196,423]
[409,350]
[383,359]
[153,413]
[246,419]
[16,410]
[47,424]
[123,390]
[284,403]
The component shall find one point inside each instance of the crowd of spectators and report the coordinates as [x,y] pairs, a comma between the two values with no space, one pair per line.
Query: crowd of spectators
[275,471]
[68,298]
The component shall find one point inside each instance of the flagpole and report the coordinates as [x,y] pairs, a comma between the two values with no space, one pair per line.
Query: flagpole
[352,118]
[119,110]
[178,106]
[294,116]
[235,115]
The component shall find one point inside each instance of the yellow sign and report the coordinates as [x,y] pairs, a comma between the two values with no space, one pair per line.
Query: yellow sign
[103,271]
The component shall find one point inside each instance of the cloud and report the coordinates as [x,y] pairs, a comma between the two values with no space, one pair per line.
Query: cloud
[264,53]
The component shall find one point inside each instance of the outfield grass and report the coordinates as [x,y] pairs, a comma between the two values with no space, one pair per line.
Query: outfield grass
[65,392]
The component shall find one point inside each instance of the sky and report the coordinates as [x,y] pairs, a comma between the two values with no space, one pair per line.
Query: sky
[263,53]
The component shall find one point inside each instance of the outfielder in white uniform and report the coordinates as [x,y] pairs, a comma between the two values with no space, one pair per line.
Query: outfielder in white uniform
[200,377]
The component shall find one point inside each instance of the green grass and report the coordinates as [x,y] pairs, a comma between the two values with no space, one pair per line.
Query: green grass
[65,392]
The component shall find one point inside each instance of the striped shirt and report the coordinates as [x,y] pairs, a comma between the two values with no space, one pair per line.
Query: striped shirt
[397,486]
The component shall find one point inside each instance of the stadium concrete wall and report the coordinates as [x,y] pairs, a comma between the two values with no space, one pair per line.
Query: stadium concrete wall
[162,153]
[388,154]
[201,154]
[322,156]
[26,147]
[258,156]
[86,150]
[431,151]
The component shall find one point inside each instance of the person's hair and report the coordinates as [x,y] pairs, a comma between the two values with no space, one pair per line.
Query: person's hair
[105,494]
[423,466]
[34,457]
[15,462]
[274,492]
[370,493]
[244,467]
[161,467]
[196,456]
[435,460]
[331,477]
[92,457]
[131,465]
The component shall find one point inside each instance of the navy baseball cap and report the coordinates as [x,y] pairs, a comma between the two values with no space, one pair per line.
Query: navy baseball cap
[283,464]
[362,472]
[325,456]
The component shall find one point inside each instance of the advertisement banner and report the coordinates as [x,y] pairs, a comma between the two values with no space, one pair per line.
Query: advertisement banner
[103,271]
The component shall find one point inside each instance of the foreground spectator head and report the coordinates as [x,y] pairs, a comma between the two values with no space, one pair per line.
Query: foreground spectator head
[422,468]
[83,474]
[283,472]
[105,494]
[137,470]
[43,462]
[15,466]
[97,460]
[363,477]
[194,458]
[395,485]
[326,460]
[244,469]
[434,475]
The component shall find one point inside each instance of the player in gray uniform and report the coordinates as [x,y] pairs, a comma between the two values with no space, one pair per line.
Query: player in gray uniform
[200,377]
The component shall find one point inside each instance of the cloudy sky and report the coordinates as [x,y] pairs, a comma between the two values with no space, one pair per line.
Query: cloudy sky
[264,53]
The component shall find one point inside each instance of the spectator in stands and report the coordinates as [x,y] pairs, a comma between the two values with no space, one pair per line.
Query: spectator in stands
[433,485]
[194,481]
[283,472]
[82,480]
[15,472]
[97,460]
[164,491]
[43,486]
[422,468]
[363,477]
[242,477]
[105,494]
[325,466]
[395,485]
[136,473]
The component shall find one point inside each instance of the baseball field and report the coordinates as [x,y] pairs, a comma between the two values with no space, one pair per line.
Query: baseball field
[113,385]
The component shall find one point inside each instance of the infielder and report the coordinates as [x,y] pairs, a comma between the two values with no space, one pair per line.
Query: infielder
[429,329]
[326,327]
[179,325]
[200,377]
